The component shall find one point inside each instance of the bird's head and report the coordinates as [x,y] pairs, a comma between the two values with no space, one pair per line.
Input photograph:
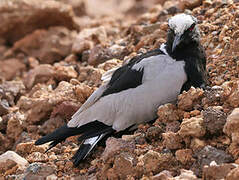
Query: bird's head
[182,31]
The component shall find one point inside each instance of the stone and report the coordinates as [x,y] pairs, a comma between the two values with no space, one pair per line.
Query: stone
[167,113]
[214,119]
[232,125]
[99,54]
[20,18]
[38,171]
[87,38]
[154,133]
[10,68]
[37,157]
[192,127]
[187,100]
[207,155]
[172,140]
[39,74]
[48,46]
[11,156]
[189,4]
[155,162]
[214,171]
[15,125]
[114,146]
[185,156]
[164,175]
[233,174]
[11,90]
[186,175]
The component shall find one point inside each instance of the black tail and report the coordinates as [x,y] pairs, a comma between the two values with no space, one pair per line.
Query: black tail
[88,131]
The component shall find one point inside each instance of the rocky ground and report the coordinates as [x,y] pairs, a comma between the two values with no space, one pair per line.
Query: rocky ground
[52,56]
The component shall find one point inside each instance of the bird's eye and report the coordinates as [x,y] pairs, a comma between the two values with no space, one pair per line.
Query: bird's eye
[191,27]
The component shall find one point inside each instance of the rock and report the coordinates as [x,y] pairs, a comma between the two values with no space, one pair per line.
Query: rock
[4,107]
[173,126]
[38,171]
[12,90]
[214,171]
[207,155]
[214,119]
[43,99]
[20,18]
[10,157]
[39,74]
[15,125]
[48,46]
[66,109]
[164,175]
[114,146]
[37,157]
[192,127]
[29,147]
[155,162]
[233,174]
[110,64]
[172,140]
[187,100]
[52,124]
[233,98]
[96,8]
[232,125]
[185,156]
[87,38]
[64,72]
[90,76]
[124,165]
[100,54]
[186,175]
[189,4]
[154,133]
[10,68]
[167,113]
[197,144]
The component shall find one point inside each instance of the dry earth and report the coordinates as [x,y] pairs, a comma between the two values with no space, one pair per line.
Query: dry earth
[52,56]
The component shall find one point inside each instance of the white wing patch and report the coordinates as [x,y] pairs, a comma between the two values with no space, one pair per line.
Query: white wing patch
[106,77]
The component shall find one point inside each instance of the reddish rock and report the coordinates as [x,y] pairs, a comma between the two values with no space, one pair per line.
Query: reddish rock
[172,140]
[39,74]
[37,157]
[186,175]
[232,126]
[192,127]
[114,146]
[48,46]
[185,156]
[15,125]
[10,68]
[154,133]
[167,113]
[189,4]
[64,72]
[155,162]
[22,17]
[43,99]
[164,175]
[12,90]
[39,171]
[100,54]
[214,171]
[173,126]
[233,174]
[187,100]
[87,38]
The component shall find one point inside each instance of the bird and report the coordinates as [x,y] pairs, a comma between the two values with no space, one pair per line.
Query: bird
[131,94]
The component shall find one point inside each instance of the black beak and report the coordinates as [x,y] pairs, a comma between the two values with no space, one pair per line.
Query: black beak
[176,42]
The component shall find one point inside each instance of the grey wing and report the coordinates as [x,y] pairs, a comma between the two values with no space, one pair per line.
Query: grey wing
[91,100]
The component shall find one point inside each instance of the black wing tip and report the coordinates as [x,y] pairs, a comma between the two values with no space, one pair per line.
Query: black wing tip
[81,154]
[39,142]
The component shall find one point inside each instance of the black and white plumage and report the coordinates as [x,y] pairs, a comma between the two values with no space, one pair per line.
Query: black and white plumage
[131,94]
